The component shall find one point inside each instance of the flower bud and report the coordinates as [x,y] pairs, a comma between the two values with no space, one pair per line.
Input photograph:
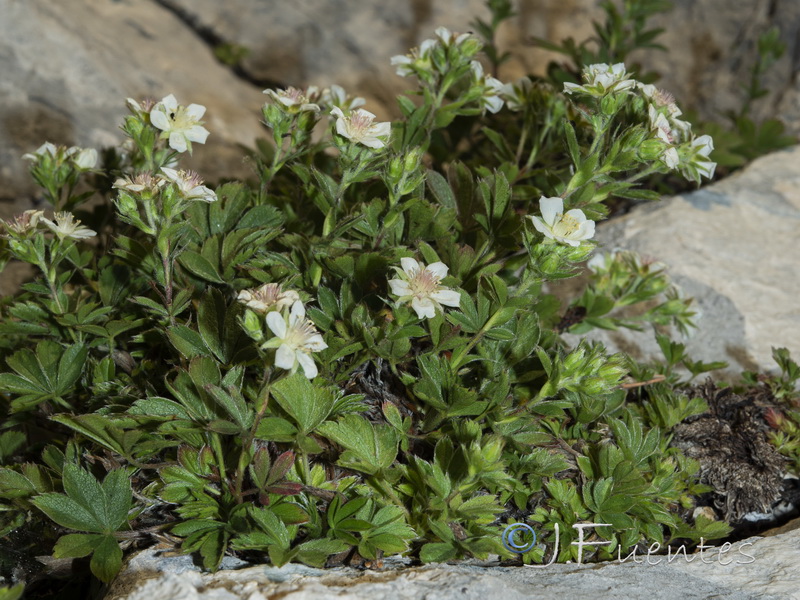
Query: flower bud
[252,325]
[651,149]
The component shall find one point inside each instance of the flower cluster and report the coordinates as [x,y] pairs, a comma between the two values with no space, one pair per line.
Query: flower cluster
[181,125]
[420,285]
[82,159]
[294,336]
[678,147]
[434,57]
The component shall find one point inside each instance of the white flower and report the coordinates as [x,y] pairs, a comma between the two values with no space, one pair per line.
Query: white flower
[416,59]
[491,99]
[420,284]
[190,185]
[24,223]
[84,158]
[516,94]
[295,340]
[44,149]
[358,127]
[294,100]
[143,182]
[138,108]
[449,38]
[336,96]
[699,165]
[601,79]
[568,228]
[268,297]
[67,226]
[181,124]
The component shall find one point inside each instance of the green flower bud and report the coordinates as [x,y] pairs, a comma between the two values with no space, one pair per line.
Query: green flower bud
[252,325]
[651,149]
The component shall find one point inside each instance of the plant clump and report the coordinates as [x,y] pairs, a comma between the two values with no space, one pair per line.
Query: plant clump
[354,355]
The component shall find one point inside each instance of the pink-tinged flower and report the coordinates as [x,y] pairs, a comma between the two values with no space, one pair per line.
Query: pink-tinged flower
[143,107]
[420,285]
[142,184]
[568,228]
[268,297]
[66,225]
[25,223]
[358,127]
[295,100]
[295,338]
[190,185]
[181,124]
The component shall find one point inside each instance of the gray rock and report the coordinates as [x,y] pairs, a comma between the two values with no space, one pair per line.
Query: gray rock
[69,65]
[732,246]
[754,568]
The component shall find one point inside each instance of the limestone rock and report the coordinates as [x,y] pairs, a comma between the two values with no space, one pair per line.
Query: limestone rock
[732,246]
[754,568]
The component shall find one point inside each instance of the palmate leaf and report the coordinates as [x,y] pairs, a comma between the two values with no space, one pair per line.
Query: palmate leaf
[307,405]
[89,505]
[369,448]
[49,374]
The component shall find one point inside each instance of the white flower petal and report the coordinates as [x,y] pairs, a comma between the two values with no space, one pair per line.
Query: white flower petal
[550,208]
[585,231]
[399,287]
[285,357]
[309,367]
[297,314]
[170,102]
[424,307]
[277,324]
[410,265]
[196,111]
[447,297]
[439,269]
[577,214]
[177,141]
[540,226]
[159,119]
[197,133]
[315,343]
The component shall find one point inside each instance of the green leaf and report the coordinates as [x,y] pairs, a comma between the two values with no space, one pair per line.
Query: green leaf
[67,513]
[437,552]
[187,341]
[308,405]
[369,448]
[77,545]
[199,265]
[107,559]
